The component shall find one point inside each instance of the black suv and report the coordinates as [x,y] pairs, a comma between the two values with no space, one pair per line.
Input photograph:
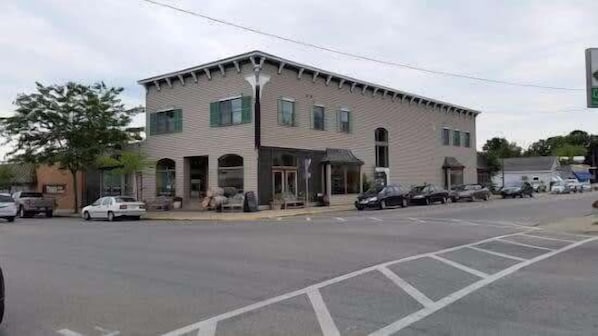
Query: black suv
[381,197]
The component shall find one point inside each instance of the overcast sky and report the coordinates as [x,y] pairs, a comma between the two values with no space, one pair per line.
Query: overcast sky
[122,41]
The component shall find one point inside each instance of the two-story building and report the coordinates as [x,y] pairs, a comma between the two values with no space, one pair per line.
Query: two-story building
[258,122]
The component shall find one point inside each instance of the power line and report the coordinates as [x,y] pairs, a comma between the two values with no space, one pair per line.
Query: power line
[357,56]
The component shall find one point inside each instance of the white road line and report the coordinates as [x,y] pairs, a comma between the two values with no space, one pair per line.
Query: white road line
[107,332]
[324,318]
[340,219]
[68,332]
[207,330]
[416,220]
[425,312]
[414,292]
[523,244]
[375,219]
[508,256]
[215,319]
[308,219]
[460,266]
[548,238]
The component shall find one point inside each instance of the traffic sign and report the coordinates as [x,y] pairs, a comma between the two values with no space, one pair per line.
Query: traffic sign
[592,77]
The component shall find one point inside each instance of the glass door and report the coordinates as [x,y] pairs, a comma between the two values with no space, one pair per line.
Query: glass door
[291,182]
[284,182]
[277,182]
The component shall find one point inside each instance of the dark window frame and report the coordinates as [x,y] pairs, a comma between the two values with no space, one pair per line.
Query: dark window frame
[446,136]
[321,126]
[457,138]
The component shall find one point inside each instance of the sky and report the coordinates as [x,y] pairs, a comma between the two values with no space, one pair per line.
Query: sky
[121,41]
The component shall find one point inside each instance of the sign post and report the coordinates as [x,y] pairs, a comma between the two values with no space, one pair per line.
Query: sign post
[592,77]
[307,176]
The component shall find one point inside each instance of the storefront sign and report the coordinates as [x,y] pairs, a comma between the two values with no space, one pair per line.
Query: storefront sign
[54,188]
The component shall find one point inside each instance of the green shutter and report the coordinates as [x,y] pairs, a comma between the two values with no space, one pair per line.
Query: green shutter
[153,124]
[178,120]
[215,114]
[279,111]
[350,122]
[246,109]
[295,113]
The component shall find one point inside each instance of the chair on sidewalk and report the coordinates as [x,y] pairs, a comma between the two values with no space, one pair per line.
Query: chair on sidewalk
[292,202]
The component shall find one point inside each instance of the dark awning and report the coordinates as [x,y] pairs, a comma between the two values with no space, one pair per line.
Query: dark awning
[340,156]
[451,162]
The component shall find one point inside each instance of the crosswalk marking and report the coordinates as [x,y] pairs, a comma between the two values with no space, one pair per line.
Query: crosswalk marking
[340,219]
[460,266]
[508,256]
[323,315]
[523,244]
[414,292]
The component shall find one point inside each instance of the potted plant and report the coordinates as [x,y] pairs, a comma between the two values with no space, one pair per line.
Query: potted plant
[276,203]
[177,202]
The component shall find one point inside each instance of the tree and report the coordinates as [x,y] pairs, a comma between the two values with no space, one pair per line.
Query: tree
[70,125]
[7,176]
[492,162]
[569,150]
[501,148]
[539,148]
[126,162]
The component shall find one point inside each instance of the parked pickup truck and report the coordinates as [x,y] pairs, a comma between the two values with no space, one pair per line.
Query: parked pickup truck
[32,203]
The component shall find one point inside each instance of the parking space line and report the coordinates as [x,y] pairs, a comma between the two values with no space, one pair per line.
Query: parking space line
[438,305]
[375,219]
[523,244]
[324,318]
[407,287]
[236,312]
[207,330]
[508,256]
[548,238]
[68,332]
[308,219]
[416,220]
[460,266]
[340,219]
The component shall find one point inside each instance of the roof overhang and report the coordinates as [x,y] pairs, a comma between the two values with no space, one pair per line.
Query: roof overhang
[258,58]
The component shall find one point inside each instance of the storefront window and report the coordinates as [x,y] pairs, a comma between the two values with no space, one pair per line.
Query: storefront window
[230,172]
[165,178]
[345,179]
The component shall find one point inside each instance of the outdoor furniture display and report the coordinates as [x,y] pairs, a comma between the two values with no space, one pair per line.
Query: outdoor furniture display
[160,203]
[233,203]
[290,201]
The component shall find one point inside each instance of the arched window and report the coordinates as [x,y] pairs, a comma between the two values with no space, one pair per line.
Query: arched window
[230,172]
[165,177]
[381,138]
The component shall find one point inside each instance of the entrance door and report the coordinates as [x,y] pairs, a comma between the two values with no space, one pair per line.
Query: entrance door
[284,181]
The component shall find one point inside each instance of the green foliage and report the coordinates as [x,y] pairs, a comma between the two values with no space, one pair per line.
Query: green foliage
[125,162]
[501,148]
[71,125]
[7,176]
[492,161]
[570,150]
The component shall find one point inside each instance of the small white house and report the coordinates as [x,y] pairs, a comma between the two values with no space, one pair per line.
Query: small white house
[537,168]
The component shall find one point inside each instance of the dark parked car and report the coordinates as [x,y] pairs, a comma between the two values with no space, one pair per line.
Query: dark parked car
[428,194]
[469,192]
[381,197]
[1,295]
[515,189]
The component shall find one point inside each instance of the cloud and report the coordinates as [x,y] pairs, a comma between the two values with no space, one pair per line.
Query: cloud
[120,42]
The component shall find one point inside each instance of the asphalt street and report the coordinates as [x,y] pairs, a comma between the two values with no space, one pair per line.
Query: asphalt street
[482,268]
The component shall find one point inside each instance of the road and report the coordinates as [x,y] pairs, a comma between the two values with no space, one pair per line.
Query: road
[479,268]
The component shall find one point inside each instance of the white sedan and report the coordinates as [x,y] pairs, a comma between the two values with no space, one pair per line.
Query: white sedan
[8,208]
[113,207]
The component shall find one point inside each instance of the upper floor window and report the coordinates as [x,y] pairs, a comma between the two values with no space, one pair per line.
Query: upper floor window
[456,138]
[318,118]
[233,111]
[286,112]
[446,136]
[466,139]
[166,122]
[344,121]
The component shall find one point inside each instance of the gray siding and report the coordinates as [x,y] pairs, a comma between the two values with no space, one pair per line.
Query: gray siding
[416,151]
[197,137]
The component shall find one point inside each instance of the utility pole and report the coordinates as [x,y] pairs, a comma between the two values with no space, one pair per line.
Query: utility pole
[503,171]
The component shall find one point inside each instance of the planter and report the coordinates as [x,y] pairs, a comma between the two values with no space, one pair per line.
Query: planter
[275,205]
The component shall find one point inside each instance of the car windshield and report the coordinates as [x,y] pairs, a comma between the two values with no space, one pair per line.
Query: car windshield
[458,187]
[124,199]
[418,189]
[471,187]
[31,194]
[6,199]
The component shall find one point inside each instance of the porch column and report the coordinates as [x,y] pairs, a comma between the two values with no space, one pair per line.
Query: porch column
[448,178]
[328,182]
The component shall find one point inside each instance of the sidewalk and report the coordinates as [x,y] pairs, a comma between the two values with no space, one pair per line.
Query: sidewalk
[584,225]
[241,216]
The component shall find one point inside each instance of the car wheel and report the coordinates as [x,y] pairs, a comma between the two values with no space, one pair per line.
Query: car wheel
[359,208]
[21,212]
[428,201]
[487,198]
[86,216]
[49,214]
[10,219]
[444,200]
[404,203]
[136,218]
[110,216]
[382,204]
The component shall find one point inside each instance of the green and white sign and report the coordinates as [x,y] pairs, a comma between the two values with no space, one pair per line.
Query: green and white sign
[592,77]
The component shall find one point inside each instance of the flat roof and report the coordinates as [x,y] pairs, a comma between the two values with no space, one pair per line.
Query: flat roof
[257,58]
